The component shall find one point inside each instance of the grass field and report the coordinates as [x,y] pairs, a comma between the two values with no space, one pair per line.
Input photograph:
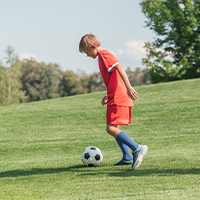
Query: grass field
[41,145]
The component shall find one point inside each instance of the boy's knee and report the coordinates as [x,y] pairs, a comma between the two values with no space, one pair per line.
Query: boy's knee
[110,128]
[113,130]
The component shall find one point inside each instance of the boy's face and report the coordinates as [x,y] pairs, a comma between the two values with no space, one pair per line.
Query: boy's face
[91,52]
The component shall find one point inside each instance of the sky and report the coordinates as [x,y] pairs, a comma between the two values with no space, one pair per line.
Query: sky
[50,31]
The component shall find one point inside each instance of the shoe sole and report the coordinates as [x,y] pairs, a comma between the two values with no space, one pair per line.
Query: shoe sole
[140,157]
[123,164]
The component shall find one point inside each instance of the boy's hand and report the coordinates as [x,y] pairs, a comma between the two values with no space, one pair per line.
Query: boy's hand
[133,94]
[104,100]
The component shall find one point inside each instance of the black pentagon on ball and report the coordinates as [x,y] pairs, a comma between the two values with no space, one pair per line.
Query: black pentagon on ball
[86,156]
[93,148]
[91,165]
[97,157]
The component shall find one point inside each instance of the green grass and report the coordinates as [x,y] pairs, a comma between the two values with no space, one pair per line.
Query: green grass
[41,145]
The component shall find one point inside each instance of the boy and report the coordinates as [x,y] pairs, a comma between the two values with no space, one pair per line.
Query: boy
[118,99]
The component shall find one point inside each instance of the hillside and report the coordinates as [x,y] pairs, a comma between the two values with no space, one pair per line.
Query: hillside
[41,145]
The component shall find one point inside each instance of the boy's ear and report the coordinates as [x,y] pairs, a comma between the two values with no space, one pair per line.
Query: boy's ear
[93,46]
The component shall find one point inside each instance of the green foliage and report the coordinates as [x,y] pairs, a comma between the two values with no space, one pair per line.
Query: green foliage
[3,86]
[138,77]
[160,70]
[10,83]
[177,24]
[16,95]
[70,84]
[41,146]
[96,83]
[40,80]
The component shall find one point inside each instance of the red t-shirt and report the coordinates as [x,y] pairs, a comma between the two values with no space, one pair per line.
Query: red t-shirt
[116,89]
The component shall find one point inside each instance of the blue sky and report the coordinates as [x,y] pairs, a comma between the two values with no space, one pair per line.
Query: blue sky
[50,30]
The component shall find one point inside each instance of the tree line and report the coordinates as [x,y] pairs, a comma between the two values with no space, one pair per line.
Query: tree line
[29,80]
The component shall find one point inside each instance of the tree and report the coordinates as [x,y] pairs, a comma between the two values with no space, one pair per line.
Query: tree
[138,77]
[10,80]
[3,85]
[70,84]
[177,25]
[84,83]
[40,80]
[51,74]
[96,83]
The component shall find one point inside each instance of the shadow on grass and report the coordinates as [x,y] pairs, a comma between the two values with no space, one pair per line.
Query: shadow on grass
[35,171]
[81,170]
[156,172]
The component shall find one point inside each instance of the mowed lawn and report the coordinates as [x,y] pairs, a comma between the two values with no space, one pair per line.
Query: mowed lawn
[41,145]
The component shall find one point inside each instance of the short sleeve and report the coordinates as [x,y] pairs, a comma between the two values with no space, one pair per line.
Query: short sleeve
[109,60]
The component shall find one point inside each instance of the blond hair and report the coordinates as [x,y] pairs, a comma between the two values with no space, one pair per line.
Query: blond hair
[87,41]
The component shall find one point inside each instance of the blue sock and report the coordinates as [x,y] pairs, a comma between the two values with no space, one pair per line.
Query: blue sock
[124,138]
[125,150]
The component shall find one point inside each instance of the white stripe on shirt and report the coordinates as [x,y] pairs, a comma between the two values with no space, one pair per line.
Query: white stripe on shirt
[111,68]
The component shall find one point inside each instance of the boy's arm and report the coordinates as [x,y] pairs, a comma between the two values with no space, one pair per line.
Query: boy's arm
[132,93]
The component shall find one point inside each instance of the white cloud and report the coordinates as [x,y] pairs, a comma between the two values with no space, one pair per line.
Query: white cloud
[120,51]
[134,50]
[29,56]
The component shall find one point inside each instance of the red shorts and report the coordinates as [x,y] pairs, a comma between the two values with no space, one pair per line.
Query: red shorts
[120,115]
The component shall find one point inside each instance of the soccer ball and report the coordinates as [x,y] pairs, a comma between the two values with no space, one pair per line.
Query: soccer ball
[92,156]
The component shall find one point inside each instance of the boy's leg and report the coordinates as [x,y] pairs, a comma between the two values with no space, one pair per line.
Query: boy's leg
[122,115]
[127,158]
[119,115]
[121,136]
[114,130]
[139,151]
